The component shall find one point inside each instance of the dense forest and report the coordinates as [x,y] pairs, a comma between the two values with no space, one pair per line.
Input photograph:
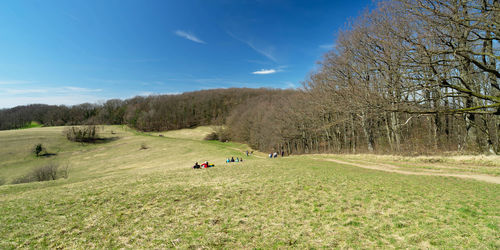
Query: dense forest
[411,76]
[152,113]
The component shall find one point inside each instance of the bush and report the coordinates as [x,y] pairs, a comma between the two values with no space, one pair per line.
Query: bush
[219,134]
[223,135]
[38,149]
[63,172]
[212,136]
[86,133]
[44,173]
[23,179]
[144,146]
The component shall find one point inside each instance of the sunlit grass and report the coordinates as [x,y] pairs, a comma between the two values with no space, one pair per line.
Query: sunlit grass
[479,164]
[119,195]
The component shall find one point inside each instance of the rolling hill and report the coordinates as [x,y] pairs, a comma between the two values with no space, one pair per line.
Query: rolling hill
[137,190]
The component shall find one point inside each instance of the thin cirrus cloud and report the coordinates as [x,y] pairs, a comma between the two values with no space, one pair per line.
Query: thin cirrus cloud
[189,36]
[326,46]
[267,52]
[78,89]
[63,90]
[13,82]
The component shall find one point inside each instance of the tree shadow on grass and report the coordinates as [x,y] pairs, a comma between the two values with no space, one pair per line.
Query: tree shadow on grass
[47,154]
[102,140]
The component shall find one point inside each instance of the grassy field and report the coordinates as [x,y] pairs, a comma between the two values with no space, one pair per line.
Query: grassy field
[119,195]
[462,164]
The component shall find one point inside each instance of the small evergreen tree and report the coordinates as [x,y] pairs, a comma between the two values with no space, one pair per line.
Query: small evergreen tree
[38,149]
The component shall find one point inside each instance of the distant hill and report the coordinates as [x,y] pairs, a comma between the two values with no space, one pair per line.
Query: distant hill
[151,113]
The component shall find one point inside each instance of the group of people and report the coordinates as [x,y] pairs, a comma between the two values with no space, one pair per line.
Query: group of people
[233,160]
[228,160]
[275,154]
[203,165]
[208,165]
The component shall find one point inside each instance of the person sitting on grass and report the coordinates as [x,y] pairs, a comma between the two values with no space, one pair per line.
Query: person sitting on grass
[228,160]
[241,160]
[196,166]
[237,159]
[232,159]
[205,164]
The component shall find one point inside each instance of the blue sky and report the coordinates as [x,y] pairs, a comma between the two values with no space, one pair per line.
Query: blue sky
[71,52]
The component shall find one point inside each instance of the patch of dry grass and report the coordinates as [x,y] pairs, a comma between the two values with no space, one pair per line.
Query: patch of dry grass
[197,133]
[473,164]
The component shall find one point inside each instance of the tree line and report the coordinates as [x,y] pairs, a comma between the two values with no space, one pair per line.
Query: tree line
[151,113]
[411,76]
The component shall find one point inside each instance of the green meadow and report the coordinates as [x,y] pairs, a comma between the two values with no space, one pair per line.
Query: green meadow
[137,190]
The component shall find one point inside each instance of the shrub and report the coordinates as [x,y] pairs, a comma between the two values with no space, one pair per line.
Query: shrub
[38,149]
[212,136]
[63,172]
[219,134]
[23,179]
[223,135]
[144,146]
[86,133]
[44,173]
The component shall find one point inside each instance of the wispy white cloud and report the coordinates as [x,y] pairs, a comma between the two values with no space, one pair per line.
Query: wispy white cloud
[259,62]
[267,52]
[62,90]
[78,89]
[190,36]
[12,91]
[264,72]
[12,82]
[12,101]
[70,16]
[270,71]
[290,85]
[326,46]
[14,96]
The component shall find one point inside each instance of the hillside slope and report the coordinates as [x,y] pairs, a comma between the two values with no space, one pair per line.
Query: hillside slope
[119,195]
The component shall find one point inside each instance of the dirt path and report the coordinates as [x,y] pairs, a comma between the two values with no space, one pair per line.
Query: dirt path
[395,169]
[254,154]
